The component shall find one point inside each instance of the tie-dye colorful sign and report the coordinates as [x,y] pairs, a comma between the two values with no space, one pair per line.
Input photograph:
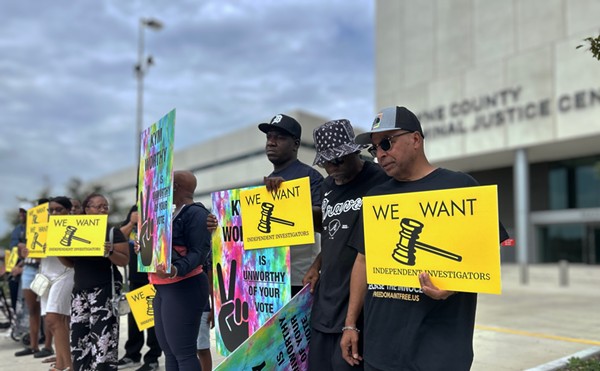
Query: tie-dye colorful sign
[249,286]
[281,344]
[155,197]
[280,218]
[37,230]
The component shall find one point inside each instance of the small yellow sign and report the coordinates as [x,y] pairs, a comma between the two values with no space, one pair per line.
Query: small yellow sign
[76,235]
[452,234]
[281,218]
[37,230]
[10,258]
[140,301]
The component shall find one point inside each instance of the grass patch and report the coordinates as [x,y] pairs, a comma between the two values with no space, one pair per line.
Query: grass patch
[578,364]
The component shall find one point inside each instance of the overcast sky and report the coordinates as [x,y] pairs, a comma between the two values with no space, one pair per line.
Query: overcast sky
[68,91]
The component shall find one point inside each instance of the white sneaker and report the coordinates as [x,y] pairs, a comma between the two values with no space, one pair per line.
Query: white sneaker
[127,362]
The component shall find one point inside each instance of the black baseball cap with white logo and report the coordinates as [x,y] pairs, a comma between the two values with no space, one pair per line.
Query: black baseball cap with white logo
[284,123]
[389,119]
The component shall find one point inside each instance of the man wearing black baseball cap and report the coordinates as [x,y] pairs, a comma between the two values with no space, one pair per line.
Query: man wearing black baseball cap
[431,329]
[284,123]
[283,140]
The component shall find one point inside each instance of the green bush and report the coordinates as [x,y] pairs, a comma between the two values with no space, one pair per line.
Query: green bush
[578,364]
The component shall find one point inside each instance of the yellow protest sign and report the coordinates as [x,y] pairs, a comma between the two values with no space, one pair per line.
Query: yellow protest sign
[10,258]
[37,229]
[453,234]
[76,235]
[140,302]
[281,218]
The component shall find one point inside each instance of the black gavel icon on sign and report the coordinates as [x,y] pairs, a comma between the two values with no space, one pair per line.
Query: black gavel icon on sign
[266,217]
[35,241]
[70,236]
[405,252]
[149,305]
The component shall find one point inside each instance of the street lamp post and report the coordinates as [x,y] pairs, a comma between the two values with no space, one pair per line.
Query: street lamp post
[143,63]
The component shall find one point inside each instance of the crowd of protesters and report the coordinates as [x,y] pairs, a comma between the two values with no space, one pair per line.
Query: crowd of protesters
[351,328]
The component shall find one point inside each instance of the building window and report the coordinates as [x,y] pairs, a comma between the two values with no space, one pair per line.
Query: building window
[574,183]
[561,242]
[558,189]
[587,182]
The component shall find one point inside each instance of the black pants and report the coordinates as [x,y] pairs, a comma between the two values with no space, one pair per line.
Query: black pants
[177,312]
[13,285]
[326,354]
[135,337]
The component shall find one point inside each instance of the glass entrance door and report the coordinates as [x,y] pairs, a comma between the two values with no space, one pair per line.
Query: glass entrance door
[592,244]
[576,243]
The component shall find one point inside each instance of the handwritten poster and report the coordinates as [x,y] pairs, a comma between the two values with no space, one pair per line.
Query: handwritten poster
[37,230]
[10,258]
[452,234]
[282,343]
[280,218]
[249,285]
[155,200]
[140,302]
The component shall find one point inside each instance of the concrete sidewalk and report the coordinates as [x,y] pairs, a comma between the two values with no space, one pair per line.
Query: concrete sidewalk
[530,325]
[527,326]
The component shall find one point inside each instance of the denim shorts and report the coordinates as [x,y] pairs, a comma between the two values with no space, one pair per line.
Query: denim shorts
[29,273]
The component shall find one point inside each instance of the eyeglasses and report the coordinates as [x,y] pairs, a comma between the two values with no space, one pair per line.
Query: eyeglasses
[385,144]
[98,207]
[335,162]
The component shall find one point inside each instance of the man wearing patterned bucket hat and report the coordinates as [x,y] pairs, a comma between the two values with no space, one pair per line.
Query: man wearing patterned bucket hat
[432,329]
[350,177]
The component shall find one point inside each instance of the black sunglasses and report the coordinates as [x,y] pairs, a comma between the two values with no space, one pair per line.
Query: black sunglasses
[385,143]
[335,162]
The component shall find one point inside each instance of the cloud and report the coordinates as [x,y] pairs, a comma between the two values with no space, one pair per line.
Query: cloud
[68,92]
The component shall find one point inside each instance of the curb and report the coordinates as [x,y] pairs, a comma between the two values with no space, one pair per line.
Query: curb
[562,362]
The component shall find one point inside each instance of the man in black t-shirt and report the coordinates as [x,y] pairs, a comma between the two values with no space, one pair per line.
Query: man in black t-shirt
[349,179]
[283,140]
[427,329]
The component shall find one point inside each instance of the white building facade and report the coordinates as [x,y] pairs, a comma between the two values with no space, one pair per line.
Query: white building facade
[503,93]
